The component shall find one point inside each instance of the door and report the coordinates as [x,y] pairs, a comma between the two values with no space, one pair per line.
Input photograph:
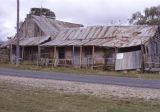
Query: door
[76,56]
[88,56]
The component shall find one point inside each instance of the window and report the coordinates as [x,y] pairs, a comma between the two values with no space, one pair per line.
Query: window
[61,53]
[88,51]
[129,49]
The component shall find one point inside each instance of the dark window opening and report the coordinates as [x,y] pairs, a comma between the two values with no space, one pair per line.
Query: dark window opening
[129,49]
[88,51]
[45,52]
[61,54]
[76,51]
[156,45]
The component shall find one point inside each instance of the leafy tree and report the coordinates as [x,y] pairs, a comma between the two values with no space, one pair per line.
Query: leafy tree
[150,16]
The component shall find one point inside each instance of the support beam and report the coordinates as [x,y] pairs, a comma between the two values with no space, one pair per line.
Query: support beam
[80,56]
[39,54]
[93,53]
[116,51]
[55,56]
[73,55]
[143,59]
[11,54]
[22,53]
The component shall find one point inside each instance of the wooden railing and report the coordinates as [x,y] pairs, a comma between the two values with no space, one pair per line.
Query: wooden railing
[106,63]
[55,62]
[86,62]
[152,65]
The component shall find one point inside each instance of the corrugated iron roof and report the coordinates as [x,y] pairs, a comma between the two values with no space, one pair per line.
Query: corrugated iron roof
[65,43]
[8,42]
[109,36]
[33,41]
[51,26]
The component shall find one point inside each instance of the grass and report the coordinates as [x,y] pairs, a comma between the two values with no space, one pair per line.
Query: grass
[14,98]
[131,74]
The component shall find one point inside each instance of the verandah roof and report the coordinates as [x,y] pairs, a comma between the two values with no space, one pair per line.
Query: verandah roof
[107,36]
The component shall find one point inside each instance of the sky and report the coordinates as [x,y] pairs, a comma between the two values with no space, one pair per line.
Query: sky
[86,12]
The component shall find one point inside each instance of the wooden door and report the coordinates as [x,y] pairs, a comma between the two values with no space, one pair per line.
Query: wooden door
[76,56]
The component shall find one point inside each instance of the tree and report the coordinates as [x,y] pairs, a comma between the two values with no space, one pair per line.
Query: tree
[151,16]
[42,11]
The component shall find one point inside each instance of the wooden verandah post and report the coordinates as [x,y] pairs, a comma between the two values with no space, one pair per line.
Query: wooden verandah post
[55,56]
[73,55]
[93,53]
[39,54]
[81,56]
[22,52]
[115,57]
[143,58]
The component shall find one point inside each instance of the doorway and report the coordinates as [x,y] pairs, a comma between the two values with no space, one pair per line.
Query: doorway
[61,53]
[76,56]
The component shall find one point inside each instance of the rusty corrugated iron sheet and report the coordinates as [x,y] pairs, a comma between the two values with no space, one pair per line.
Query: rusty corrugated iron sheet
[65,43]
[8,43]
[33,41]
[107,36]
[51,26]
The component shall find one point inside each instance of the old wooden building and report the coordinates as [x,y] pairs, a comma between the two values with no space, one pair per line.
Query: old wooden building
[117,47]
[40,26]
[4,53]
[51,42]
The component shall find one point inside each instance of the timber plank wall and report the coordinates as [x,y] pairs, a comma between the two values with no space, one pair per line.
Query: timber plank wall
[4,55]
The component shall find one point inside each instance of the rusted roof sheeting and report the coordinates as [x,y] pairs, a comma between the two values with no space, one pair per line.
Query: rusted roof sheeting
[117,42]
[33,41]
[52,26]
[9,42]
[109,36]
[65,43]
[130,31]
[48,26]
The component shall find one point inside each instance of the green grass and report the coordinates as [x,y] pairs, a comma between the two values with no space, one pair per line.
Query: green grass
[14,98]
[132,74]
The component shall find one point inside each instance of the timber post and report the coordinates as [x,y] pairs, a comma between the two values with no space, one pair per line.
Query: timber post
[11,56]
[17,43]
[93,53]
[115,57]
[55,56]
[39,54]
[143,60]
[80,56]
[73,56]
[22,52]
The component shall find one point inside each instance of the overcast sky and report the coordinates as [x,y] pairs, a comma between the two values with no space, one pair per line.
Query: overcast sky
[87,12]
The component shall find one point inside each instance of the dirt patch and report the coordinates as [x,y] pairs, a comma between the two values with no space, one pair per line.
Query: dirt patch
[85,88]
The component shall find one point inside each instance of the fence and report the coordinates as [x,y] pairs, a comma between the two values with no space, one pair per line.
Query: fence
[55,62]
